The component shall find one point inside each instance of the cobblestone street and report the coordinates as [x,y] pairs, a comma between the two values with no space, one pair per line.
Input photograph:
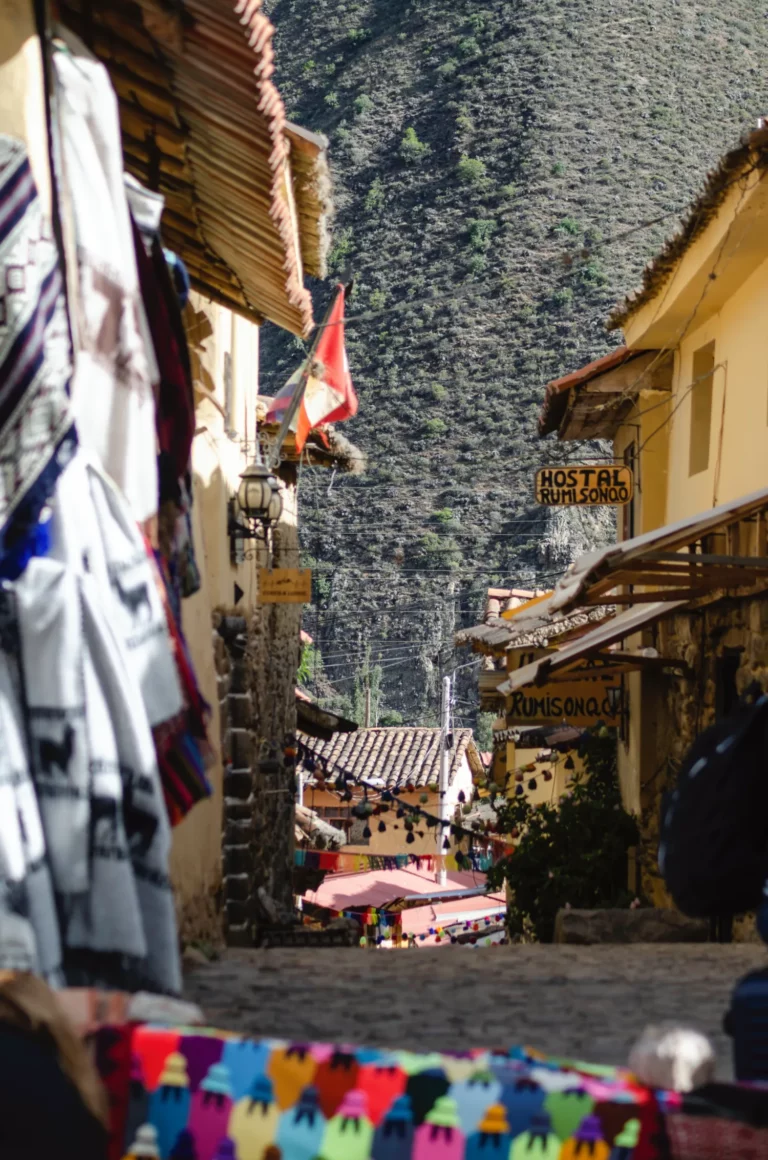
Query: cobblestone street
[589,1002]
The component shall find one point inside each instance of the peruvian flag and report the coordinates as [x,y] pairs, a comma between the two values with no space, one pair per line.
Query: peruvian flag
[328,395]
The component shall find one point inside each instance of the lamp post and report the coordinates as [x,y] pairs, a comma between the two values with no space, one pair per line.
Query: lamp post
[256,508]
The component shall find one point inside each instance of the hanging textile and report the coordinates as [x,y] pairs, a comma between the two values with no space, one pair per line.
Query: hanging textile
[115,364]
[93,531]
[105,834]
[29,931]
[36,427]
[175,398]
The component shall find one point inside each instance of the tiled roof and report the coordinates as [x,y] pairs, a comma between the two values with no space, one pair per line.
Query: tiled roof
[532,627]
[397,757]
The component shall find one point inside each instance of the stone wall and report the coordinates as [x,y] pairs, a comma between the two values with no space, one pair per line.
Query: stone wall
[236,739]
[734,629]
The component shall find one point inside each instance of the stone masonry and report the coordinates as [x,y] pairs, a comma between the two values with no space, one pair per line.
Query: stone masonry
[588,1002]
[237,837]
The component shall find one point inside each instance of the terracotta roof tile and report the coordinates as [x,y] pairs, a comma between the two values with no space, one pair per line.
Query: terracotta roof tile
[396,756]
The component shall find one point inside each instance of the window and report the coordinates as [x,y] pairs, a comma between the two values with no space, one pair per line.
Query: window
[701,408]
[628,511]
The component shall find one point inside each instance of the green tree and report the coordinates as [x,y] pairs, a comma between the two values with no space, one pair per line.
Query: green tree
[434,428]
[412,149]
[366,696]
[572,852]
[472,170]
[374,198]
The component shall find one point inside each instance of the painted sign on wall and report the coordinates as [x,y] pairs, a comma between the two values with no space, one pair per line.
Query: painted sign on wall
[584,486]
[582,702]
[285,586]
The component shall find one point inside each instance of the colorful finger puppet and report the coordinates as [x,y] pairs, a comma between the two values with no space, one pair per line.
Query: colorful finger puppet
[144,1146]
[586,1143]
[210,1110]
[393,1139]
[538,1143]
[291,1069]
[473,1096]
[349,1134]
[184,1148]
[153,1045]
[245,1059]
[490,1140]
[226,1150]
[169,1103]
[568,1109]
[523,1099]
[425,1088]
[626,1142]
[301,1128]
[201,1053]
[382,1082]
[254,1119]
[334,1077]
[440,1136]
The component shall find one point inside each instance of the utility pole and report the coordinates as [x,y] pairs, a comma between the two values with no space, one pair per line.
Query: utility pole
[443,812]
[368,700]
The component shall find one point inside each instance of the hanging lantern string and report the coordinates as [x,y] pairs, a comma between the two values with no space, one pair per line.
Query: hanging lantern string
[311,760]
[433,821]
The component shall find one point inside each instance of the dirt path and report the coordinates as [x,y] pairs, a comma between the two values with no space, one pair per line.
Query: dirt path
[588,1002]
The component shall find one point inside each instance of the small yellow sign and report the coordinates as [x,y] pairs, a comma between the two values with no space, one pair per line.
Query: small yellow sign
[585,486]
[285,586]
[579,703]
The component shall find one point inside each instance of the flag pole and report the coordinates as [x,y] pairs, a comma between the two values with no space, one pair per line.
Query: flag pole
[301,386]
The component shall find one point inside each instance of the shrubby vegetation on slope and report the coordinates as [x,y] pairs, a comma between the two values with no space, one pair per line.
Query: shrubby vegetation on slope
[493,164]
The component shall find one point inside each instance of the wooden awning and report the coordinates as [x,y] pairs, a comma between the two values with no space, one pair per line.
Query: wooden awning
[203,123]
[595,655]
[593,402]
[535,629]
[320,723]
[698,559]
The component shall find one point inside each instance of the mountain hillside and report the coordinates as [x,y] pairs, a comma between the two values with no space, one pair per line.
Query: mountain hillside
[496,166]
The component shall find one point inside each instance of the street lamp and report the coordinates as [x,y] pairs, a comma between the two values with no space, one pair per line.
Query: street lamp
[258,505]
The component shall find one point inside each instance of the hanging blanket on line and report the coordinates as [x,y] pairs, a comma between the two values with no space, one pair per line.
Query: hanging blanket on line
[36,429]
[115,365]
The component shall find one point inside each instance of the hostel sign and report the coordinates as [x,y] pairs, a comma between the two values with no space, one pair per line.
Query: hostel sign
[582,701]
[584,486]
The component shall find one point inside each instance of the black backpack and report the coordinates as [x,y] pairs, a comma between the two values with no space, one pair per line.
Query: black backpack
[713,848]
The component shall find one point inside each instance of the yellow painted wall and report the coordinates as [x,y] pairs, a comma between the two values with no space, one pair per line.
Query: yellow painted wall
[729,311]
[394,841]
[546,791]
[738,448]
[219,454]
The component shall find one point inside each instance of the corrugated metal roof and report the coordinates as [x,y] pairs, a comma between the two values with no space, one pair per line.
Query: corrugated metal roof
[203,122]
[398,757]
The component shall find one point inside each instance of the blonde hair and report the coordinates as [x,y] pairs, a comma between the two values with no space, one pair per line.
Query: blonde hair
[28,1003]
